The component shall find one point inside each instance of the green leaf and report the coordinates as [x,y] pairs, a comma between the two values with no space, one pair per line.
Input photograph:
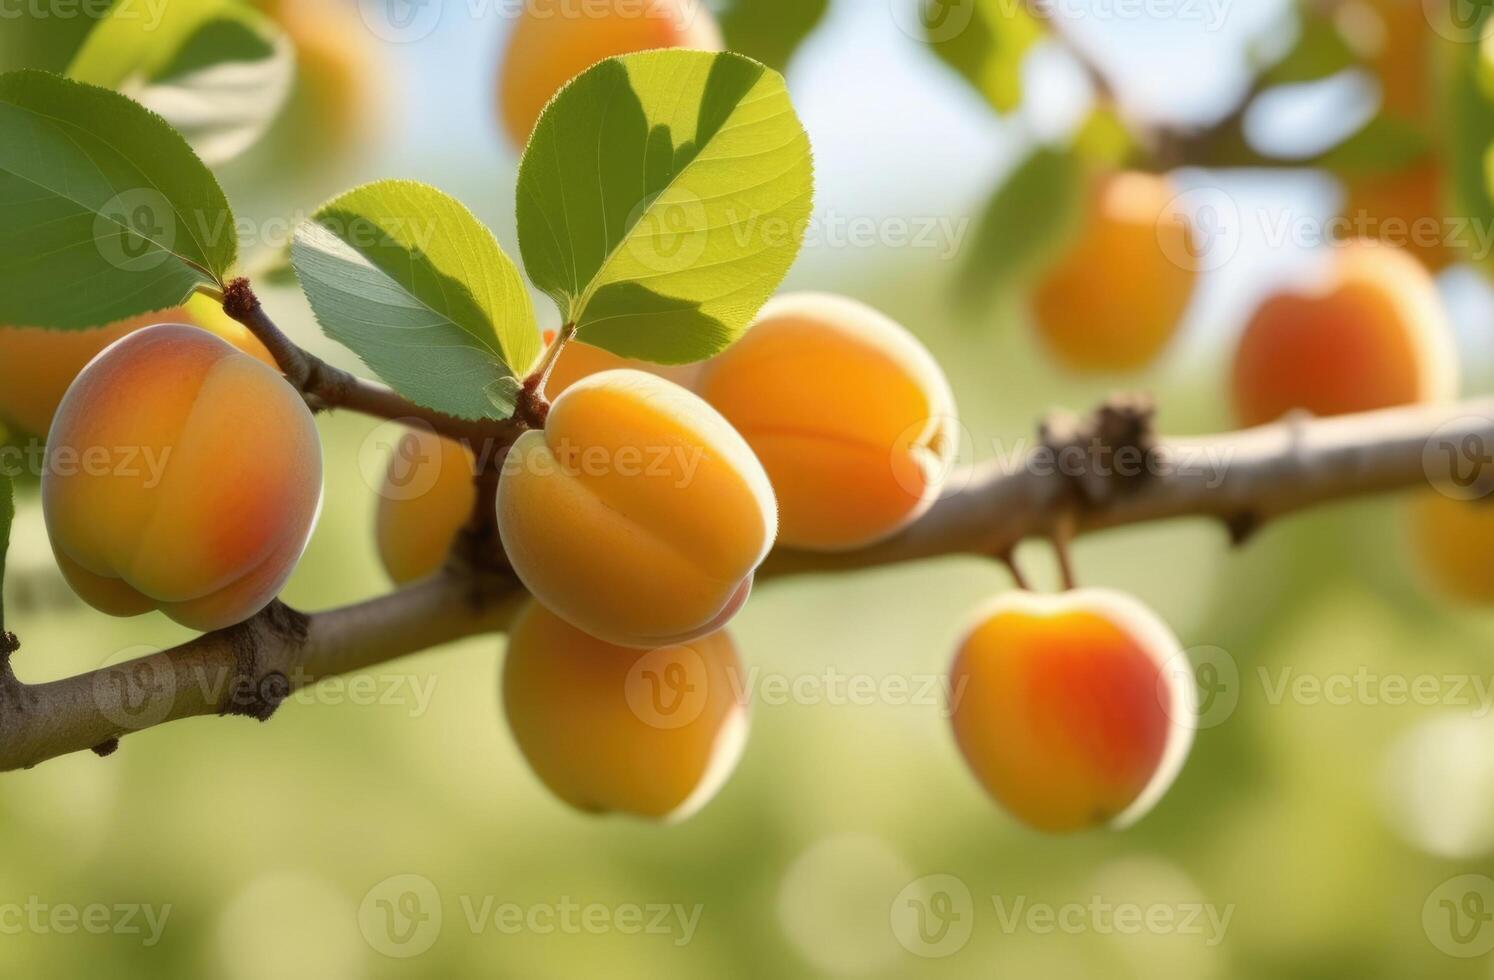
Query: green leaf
[986,41]
[7,515]
[108,213]
[662,199]
[1318,52]
[217,70]
[412,282]
[1032,215]
[1384,144]
[1470,135]
[770,30]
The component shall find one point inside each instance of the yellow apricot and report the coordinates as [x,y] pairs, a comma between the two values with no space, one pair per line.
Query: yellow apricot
[553,41]
[427,497]
[1075,710]
[337,68]
[180,475]
[582,360]
[850,415]
[652,733]
[1455,541]
[638,514]
[1117,295]
[1372,334]
[36,365]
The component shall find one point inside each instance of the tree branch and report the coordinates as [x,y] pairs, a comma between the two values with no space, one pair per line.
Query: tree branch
[325,386]
[1104,471]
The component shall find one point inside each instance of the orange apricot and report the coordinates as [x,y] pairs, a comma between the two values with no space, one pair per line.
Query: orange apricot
[36,365]
[1372,334]
[638,514]
[1074,711]
[1455,542]
[850,415]
[1117,295]
[553,41]
[653,733]
[180,475]
[427,497]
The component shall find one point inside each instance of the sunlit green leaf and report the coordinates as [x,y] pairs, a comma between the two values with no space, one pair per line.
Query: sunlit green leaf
[986,41]
[1470,134]
[108,213]
[1034,212]
[412,282]
[662,199]
[1318,51]
[217,70]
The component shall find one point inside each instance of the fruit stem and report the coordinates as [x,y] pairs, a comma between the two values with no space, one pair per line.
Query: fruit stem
[1009,559]
[532,409]
[1063,534]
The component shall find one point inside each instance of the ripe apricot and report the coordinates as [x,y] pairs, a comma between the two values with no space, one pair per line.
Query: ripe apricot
[36,365]
[653,733]
[638,514]
[1372,334]
[1404,207]
[337,68]
[181,475]
[427,497]
[1455,541]
[1117,295]
[1075,710]
[553,41]
[850,415]
[582,360]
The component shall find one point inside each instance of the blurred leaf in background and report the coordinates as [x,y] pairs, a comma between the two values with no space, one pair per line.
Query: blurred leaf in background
[770,30]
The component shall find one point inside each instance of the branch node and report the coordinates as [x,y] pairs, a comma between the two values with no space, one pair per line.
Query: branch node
[239,300]
[1243,527]
[1109,454]
[9,644]
[106,748]
[257,689]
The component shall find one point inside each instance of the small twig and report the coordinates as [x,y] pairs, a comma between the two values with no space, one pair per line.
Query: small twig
[532,407]
[1009,559]
[325,386]
[1063,537]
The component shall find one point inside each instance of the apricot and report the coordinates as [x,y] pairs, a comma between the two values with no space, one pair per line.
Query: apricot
[428,493]
[652,733]
[337,68]
[1074,711]
[1371,334]
[638,514]
[1117,295]
[1455,542]
[180,475]
[582,360]
[850,415]
[36,365]
[553,41]
[1405,208]
[427,497]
